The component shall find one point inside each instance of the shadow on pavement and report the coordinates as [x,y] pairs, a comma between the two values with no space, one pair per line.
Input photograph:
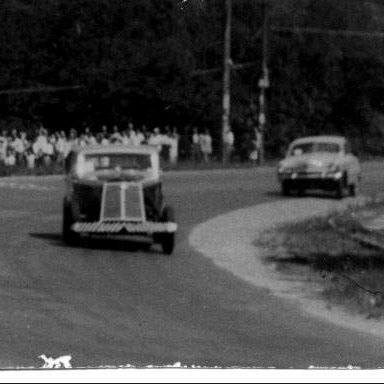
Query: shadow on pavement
[55,239]
[308,194]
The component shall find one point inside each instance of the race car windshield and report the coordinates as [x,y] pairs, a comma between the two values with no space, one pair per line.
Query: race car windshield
[306,148]
[123,161]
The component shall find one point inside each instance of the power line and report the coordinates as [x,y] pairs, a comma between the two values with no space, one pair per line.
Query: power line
[40,90]
[330,32]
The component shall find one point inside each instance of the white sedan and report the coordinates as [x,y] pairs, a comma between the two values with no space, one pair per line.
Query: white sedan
[320,162]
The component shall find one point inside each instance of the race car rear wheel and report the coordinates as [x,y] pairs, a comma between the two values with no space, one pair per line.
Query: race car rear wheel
[167,240]
[69,236]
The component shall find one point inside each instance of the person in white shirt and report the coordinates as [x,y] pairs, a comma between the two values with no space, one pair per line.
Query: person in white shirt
[60,147]
[155,139]
[196,150]
[40,143]
[116,137]
[3,146]
[10,160]
[206,145]
[137,137]
[104,131]
[18,147]
[229,142]
[49,151]
[129,137]
[104,140]
[125,140]
[73,140]
[173,139]
[30,158]
[90,139]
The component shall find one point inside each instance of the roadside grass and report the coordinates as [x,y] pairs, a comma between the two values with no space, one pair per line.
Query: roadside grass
[328,250]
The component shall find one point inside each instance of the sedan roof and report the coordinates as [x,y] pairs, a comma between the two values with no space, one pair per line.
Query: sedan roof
[321,139]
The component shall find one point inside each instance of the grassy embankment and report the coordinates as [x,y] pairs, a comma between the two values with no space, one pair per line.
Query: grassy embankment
[340,253]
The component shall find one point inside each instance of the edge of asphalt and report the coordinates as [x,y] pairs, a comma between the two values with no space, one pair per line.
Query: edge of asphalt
[229,241]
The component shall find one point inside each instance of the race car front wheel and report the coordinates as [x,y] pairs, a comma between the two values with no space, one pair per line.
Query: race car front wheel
[167,240]
[69,236]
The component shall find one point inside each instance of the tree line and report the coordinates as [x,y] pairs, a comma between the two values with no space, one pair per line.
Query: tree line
[160,62]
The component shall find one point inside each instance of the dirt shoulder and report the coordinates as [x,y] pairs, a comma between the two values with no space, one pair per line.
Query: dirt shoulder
[343,253]
[229,241]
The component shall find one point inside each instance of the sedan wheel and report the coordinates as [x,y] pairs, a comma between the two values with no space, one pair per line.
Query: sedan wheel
[353,189]
[340,188]
[69,236]
[285,189]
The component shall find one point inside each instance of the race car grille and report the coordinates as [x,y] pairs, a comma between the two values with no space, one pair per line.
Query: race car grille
[123,201]
[133,201]
[112,202]
[309,174]
[122,227]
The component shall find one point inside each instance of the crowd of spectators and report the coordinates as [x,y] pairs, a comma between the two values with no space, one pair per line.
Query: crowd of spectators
[17,148]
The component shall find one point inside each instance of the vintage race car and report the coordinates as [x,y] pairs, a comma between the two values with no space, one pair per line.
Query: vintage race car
[320,162]
[116,192]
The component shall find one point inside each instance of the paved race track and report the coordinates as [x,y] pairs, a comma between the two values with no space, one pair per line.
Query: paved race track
[115,305]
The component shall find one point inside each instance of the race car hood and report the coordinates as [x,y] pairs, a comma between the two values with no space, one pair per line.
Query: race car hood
[312,160]
[113,176]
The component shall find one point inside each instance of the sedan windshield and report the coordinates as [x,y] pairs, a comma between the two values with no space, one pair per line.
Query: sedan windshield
[140,162]
[306,148]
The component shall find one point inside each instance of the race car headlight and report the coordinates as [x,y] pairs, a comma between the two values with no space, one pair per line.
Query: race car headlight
[333,168]
[283,169]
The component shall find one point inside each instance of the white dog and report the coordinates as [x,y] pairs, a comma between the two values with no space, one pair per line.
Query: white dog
[60,362]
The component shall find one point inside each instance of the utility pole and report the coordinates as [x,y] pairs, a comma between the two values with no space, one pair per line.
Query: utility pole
[263,85]
[226,118]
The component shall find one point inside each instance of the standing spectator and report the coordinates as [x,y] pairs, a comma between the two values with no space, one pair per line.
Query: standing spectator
[83,141]
[90,139]
[73,140]
[49,151]
[11,157]
[140,136]
[3,146]
[196,145]
[30,157]
[18,147]
[40,144]
[136,137]
[129,137]
[61,147]
[174,150]
[116,137]
[206,145]
[104,139]
[99,138]
[104,131]
[229,141]
[155,139]
[125,138]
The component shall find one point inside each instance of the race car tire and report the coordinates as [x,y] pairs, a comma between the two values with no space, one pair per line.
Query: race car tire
[285,189]
[353,189]
[69,236]
[301,191]
[340,188]
[167,240]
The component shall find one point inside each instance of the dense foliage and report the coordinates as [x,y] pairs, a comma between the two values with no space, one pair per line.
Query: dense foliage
[145,60]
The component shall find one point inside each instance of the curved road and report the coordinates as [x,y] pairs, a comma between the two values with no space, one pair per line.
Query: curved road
[109,306]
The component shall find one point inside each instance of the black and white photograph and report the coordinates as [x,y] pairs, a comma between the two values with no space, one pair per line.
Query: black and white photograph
[191,186]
